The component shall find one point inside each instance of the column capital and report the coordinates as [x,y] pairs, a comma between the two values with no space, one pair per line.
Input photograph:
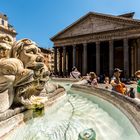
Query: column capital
[74,45]
[97,43]
[111,42]
[85,44]
[125,40]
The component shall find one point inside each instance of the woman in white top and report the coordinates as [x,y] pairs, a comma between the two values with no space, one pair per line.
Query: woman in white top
[75,73]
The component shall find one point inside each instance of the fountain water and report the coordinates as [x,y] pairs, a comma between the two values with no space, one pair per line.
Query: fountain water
[67,118]
[65,121]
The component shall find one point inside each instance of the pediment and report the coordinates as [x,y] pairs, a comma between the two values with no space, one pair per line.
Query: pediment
[95,24]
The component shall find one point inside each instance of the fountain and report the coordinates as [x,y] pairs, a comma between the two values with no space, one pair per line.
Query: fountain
[70,119]
[39,109]
[24,78]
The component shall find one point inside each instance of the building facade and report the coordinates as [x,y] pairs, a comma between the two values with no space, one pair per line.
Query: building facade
[48,58]
[6,28]
[99,42]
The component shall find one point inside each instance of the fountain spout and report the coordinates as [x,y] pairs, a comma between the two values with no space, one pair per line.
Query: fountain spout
[87,134]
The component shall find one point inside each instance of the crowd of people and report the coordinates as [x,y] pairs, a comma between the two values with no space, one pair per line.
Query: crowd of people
[114,82]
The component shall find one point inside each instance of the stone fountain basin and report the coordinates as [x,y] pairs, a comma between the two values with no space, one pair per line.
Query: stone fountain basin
[129,107]
[12,118]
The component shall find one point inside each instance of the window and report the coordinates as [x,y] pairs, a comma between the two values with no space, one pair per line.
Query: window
[2,22]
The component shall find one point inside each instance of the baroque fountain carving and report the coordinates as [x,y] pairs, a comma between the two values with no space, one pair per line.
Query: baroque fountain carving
[24,77]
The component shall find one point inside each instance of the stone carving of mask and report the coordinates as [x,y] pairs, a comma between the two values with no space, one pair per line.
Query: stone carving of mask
[29,53]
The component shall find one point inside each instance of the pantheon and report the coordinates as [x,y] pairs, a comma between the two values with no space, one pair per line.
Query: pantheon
[98,42]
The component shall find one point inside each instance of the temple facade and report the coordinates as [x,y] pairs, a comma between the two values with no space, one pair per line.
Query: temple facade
[99,42]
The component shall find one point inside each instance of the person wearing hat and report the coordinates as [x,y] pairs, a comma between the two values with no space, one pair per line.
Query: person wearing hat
[137,73]
[117,85]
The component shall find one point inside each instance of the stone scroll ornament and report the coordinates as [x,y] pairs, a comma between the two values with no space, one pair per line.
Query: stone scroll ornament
[23,75]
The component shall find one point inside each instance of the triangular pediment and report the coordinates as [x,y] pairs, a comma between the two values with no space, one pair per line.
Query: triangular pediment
[96,23]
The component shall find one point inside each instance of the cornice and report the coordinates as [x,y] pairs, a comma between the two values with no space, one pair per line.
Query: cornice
[101,36]
[117,18]
[7,30]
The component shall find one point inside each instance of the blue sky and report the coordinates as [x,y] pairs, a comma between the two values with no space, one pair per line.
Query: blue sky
[39,20]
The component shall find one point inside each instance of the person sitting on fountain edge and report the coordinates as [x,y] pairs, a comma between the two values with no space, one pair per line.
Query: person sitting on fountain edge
[75,73]
[106,82]
[89,79]
[92,79]
[117,85]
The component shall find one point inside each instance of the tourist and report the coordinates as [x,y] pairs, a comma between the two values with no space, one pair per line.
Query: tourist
[89,79]
[75,73]
[117,85]
[93,79]
[106,82]
[137,73]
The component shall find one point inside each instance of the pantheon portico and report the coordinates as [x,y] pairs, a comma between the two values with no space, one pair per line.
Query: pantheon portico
[99,42]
